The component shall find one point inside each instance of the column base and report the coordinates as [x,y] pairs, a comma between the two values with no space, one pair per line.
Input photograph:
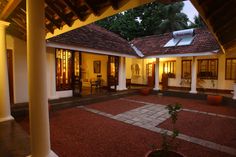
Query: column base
[193,92]
[53,97]
[156,89]
[6,118]
[121,89]
[51,154]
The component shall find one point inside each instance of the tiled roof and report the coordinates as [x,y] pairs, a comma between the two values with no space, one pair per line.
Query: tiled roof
[154,45]
[95,37]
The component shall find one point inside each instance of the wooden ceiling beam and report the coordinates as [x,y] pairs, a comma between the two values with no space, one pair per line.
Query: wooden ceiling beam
[114,4]
[49,28]
[9,8]
[220,21]
[52,20]
[74,9]
[15,32]
[58,12]
[18,29]
[91,7]
[219,11]
[18,25]
[227,35]
[226,25]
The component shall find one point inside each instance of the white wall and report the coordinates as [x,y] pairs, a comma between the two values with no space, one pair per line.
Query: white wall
[88,71]
[19,68]
[221,83]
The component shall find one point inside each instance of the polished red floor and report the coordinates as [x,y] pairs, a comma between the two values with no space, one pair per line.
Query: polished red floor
[79,133]
[115,107]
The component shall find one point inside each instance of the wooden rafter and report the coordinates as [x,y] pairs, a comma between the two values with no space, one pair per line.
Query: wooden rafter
[15,32]
[219,10]
[230,23]
[11,5]
[114,4]
[74,9]
[52,20]
[91,7]
[49,27]
[58,12]
[18,24]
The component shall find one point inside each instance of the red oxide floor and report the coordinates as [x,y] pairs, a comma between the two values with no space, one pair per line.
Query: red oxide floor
[200,105]
[211,128]
[79,133]
[115,107]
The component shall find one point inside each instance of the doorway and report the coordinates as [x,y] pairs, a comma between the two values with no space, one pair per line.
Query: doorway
[77,74]
[112,72]
[10,75]
[150,74]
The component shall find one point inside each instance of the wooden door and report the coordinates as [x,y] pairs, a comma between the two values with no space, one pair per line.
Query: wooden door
[150,74]
[77,74]
[112,72]
[10,74]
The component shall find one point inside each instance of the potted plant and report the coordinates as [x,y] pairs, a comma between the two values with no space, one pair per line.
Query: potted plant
[214,99]
[168,142]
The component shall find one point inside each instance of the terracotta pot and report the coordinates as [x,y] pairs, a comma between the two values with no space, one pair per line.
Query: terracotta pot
[167,154]
[214,99]
[145,91]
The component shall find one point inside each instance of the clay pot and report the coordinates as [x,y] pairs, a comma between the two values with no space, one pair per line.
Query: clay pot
[145,91]
[157,152]
[214,99]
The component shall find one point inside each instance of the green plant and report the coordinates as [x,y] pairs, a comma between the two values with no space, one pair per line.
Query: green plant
[168,141]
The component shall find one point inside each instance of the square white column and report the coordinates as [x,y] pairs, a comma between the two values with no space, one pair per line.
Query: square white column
[122,75]
[234,97]
[156,87]
[5,112]
[194,77]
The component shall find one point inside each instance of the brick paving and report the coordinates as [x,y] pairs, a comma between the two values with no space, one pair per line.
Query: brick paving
[151,115]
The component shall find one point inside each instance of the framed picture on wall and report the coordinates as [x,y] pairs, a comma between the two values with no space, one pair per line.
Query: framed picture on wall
[97,66]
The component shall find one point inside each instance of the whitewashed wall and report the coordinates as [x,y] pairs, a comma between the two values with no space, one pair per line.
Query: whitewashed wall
[20,80]
[221,83]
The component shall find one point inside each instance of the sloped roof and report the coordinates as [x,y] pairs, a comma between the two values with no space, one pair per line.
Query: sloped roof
[154,45]
[95,37]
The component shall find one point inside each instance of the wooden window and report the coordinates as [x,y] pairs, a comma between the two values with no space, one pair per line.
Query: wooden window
[208,69]
[169,68]
[230,69]
[186,69]
[64,67]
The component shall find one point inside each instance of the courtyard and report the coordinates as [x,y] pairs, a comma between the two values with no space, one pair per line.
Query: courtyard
[128,126]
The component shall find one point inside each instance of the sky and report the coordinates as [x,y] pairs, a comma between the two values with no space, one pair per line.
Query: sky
[189,10]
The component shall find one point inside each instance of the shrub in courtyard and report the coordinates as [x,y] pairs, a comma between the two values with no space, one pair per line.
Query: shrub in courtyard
[168,138]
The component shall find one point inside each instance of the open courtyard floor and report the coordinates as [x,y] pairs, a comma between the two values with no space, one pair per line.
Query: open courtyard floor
[129,126]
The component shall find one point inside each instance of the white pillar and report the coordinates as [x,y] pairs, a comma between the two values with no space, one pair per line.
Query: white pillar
[194,76]
[5,112]
[156,87]
[122,75]
[234,97]
[38,100]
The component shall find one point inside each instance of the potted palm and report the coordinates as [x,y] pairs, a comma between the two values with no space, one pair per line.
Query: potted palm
[214,99]
[168,142]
